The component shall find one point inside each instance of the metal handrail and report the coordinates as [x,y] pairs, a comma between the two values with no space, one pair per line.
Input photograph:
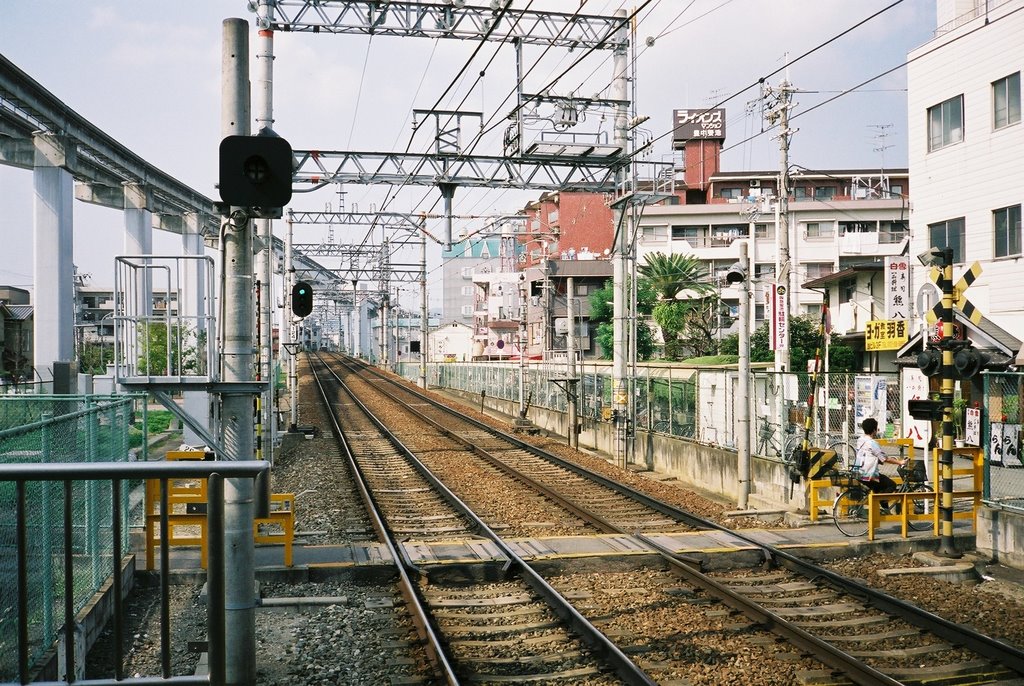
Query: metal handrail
[116,472]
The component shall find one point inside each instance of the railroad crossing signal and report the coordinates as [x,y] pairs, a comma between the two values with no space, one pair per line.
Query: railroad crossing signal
[960,300]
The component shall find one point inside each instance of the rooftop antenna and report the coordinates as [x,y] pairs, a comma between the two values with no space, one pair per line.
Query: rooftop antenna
[880,137]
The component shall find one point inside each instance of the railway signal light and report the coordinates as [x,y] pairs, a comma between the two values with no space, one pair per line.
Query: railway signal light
[302,299]
[255,171]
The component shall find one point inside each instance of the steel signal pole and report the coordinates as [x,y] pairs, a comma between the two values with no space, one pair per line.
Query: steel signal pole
[237,362]
[947,547]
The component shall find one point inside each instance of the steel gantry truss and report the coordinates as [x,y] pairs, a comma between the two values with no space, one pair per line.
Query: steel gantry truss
[447,20]
[578,173]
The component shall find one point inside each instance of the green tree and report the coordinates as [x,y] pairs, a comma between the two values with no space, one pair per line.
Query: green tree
[804,339]
[601,314]
[180,349]
[673,275]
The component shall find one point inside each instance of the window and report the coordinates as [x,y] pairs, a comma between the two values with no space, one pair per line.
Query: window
[813,310]
[857,227]
[763,231]
[758,314]
[655,233]
[731,193]
[1007,229]
[946,123]
[819,229]
[764,270]
[816,270]
[468,290]
[800,193]
[847,288]
[687,231]
[824,192]
[582,288]
[892,231]
[896,190]
[1006,101]
[949,233]
[467,310]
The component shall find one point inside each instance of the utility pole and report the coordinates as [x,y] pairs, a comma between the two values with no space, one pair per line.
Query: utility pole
[287,342]
[570,364]
[424,309]
[620,248]
[236,358]
[784,272]
[743,390]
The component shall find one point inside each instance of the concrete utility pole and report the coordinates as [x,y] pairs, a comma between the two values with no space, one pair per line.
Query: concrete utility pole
[236,358]
[264,113]
[287,342]
[620,248]
[743,389]
[570,364]
[779,114]
[424,310]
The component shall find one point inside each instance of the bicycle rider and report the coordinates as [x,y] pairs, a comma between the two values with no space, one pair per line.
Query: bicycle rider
[870,458]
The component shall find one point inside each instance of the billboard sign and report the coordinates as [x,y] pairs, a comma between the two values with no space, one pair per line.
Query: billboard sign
[775,308]
[698,124]
[886,334]
[897,287]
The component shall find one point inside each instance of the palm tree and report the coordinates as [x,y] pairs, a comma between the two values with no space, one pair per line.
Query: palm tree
[673,275]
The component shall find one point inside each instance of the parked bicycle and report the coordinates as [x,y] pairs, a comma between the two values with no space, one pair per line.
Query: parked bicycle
[850,509]
[768,444]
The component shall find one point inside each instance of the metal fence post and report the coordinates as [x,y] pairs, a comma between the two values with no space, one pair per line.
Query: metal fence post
[46,554]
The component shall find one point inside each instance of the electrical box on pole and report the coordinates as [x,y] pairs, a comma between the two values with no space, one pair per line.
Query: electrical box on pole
[302,299]
[255,171]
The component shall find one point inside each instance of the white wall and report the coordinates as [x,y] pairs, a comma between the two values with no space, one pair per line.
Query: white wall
[983,172]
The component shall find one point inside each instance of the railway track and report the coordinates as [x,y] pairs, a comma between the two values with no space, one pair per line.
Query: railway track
[603,504]
[467,632]
[853,633]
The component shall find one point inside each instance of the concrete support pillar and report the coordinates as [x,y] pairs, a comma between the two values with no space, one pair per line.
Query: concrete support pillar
[53,294]
[138,240]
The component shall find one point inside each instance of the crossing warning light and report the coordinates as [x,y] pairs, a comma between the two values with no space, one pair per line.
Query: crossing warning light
[255,171]
[930,362]
[302,299]
[969,362]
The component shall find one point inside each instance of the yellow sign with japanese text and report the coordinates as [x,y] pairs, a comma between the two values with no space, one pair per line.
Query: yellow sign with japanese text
[886,334]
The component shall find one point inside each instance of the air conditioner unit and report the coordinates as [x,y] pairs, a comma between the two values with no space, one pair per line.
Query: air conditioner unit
[755,183]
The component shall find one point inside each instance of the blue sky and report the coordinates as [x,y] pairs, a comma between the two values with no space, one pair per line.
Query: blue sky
[148,73]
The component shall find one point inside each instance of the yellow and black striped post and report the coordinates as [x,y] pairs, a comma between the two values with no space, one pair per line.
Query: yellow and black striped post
[947,548]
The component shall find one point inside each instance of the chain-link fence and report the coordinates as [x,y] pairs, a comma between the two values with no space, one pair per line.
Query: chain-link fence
[701,403]
[1001,421]
[62,429]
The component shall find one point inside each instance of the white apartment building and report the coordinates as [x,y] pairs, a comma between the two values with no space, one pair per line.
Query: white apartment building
[967,150]
[837,219]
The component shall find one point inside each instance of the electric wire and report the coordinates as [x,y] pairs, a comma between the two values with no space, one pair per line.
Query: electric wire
[359,93]
[880,75]
[762,80]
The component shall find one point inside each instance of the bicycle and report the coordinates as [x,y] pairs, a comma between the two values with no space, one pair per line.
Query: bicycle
[845,451]
[850,509]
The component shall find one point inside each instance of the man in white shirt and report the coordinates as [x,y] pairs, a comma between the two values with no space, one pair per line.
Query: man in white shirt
[870,458]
